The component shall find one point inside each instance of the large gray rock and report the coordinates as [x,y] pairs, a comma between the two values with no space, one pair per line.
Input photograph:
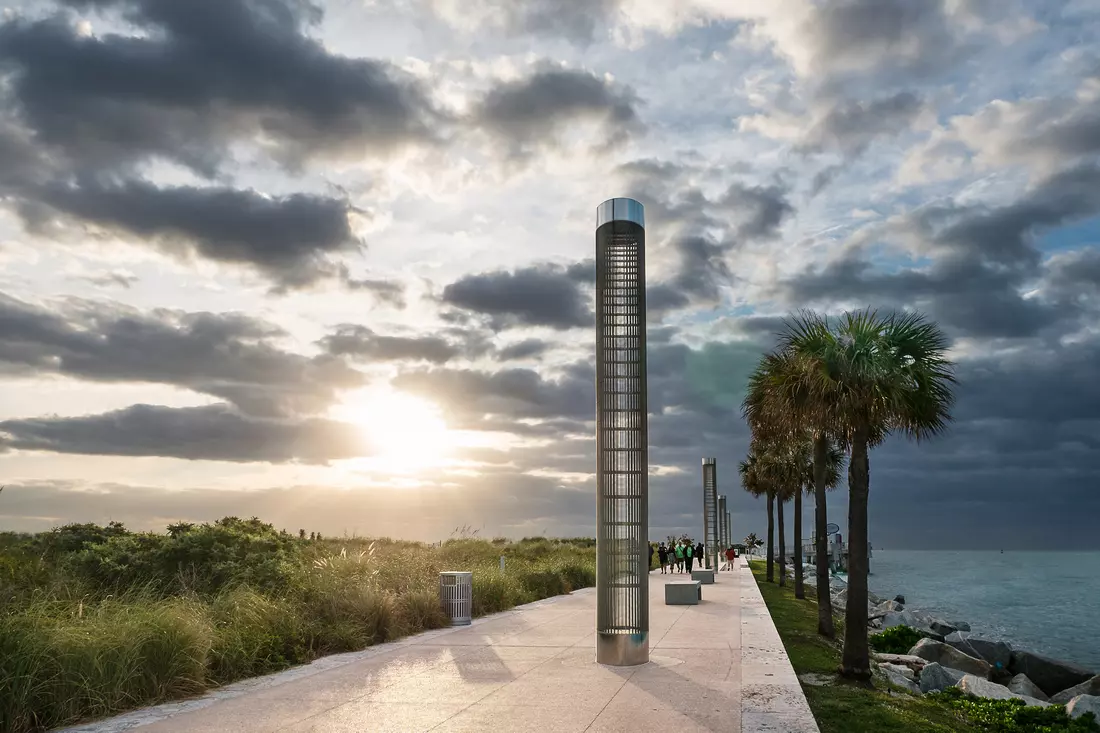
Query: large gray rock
[1082,704]
[897,675]
[900,669]
[949,656]
[1051,675]
[914,663]
[1090,686]
[991,690]
[1021,685]
[997,653]
[913,620]
[935,677]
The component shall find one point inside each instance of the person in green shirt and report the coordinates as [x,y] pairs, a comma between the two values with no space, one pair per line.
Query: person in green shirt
[689,553]
[679,557]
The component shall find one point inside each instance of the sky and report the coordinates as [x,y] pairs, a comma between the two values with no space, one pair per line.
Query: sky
[331,263]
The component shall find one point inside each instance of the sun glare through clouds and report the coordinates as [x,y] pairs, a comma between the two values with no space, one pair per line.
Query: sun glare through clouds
[404,434]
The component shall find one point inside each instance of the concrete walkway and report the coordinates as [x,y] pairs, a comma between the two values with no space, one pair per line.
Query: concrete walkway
[718,666]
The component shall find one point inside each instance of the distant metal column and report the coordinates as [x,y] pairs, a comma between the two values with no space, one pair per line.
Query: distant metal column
[710,510]
[622,436]
[723,541]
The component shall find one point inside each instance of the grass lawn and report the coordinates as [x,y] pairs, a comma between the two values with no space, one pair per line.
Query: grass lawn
[841,707]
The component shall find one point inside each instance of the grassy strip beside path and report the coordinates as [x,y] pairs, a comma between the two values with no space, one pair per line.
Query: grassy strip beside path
[838,706]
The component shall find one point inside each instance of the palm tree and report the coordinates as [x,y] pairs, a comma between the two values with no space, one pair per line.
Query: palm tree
[751,479]
[862,378]
[751,542]
[834,460]
[784,397]
[778,477]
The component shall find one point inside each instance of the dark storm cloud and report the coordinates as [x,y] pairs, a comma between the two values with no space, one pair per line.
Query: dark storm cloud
[83,112]
[206,73]
[1075,274]
[526,349]
[759,210]
[579,20]
[883,36]
[540,295]
[361,342]
[698,233]
[225,355]
[286,239]
[212,433]
[983,259]
[531,112]
[513,394]
[111,279]
[390,292]
[851,125]
[701,383]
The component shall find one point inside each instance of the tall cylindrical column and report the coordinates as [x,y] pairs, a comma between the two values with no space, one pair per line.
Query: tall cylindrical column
[710,510]
[622,436]
[729,527]
[723,542]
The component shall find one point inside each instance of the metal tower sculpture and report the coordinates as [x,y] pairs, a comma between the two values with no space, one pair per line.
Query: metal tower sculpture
[710,511]
[723,536]
[622,436]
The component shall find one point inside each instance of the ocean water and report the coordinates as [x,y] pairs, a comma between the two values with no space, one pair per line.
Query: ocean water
[1046,602]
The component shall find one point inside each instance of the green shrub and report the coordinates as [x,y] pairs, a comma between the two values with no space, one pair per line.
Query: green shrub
[420,611]
[494,591]
[542,583]
[116,656]
[254,635]
[1012,716]
[577,574]
[896,640]
[207,558]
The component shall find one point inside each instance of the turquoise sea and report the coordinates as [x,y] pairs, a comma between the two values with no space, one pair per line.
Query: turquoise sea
[1047,602]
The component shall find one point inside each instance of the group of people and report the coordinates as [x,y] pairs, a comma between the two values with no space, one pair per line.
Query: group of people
[677,556]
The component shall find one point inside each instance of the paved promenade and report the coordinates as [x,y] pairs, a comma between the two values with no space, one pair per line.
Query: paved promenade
[716,667]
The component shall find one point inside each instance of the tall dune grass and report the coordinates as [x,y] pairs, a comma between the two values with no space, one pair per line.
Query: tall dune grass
[95,621]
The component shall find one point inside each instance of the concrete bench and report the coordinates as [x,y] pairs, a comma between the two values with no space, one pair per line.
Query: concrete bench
[706,577]
[683,593]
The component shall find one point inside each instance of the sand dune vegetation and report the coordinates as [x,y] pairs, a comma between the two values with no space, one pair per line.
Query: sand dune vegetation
[96,620]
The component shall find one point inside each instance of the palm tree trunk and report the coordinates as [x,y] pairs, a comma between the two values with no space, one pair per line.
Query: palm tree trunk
[782,544]
[821,521]
[856,662]
[771,537]
[799,588]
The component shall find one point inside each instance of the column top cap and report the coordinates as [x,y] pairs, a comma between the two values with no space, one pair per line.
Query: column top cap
[620,210]
[709,461]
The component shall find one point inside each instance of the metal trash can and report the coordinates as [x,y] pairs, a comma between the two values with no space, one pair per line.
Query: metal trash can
[456,594]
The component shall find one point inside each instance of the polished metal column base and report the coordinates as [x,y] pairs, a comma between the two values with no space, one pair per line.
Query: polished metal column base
[622,650]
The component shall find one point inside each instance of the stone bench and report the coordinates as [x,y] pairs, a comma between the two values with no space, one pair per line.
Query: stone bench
[706,577]
[683,593]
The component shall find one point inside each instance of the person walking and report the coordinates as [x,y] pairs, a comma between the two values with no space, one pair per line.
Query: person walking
[679,557]
[662,555]
[729,558]
[701,554]
[689,553]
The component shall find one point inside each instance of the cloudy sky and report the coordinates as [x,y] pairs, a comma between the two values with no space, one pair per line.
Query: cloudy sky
[330,263]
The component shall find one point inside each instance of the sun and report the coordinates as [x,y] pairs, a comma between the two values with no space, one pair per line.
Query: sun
[406,433]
